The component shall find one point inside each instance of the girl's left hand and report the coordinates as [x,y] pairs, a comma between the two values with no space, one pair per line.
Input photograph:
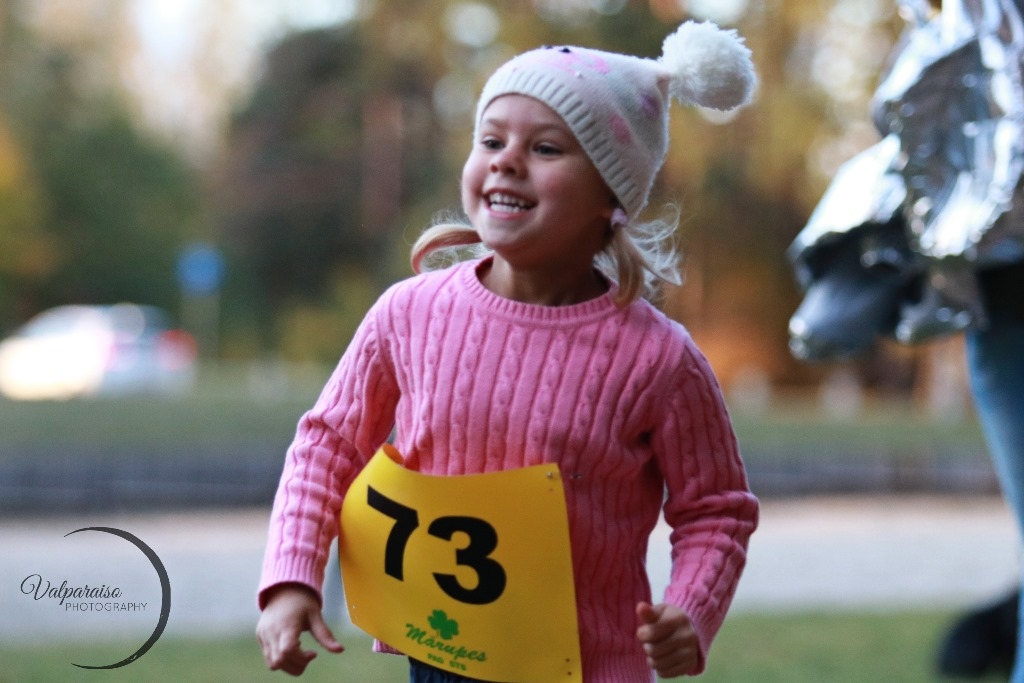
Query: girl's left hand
[668,639]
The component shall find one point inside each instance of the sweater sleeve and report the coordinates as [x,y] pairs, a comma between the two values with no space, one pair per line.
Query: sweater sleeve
[334,439]
[709,506]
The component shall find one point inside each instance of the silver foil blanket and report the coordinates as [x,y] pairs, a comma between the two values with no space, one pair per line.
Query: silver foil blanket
[896,242]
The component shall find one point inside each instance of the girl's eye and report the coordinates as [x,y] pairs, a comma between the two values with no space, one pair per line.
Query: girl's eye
[547,149]
[491,143]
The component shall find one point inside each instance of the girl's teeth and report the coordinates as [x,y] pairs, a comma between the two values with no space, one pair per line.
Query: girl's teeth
[507,203]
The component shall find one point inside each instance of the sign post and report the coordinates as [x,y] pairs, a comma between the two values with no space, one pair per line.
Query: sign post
[200,272]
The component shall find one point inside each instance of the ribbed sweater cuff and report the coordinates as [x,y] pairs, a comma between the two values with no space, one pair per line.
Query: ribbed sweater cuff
[290,570]
[706,624]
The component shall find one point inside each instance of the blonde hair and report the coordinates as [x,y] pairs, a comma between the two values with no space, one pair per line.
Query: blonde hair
[639,257]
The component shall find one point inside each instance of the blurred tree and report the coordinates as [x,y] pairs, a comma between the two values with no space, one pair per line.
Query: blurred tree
[25,254]
[119,207]
[92,209]
[334,144]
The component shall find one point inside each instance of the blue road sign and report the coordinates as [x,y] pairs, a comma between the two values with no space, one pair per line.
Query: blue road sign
[200,269]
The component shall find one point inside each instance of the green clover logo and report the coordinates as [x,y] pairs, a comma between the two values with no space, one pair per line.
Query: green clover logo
[445,627]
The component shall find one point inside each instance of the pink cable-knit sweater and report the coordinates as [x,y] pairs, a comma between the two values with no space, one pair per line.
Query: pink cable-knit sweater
[620,398]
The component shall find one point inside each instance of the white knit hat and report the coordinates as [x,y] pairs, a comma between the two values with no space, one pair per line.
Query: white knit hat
[617,105]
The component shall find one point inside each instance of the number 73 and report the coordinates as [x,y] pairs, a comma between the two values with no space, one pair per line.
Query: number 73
[483,539]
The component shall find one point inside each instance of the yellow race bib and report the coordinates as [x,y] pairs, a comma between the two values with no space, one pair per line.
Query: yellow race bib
[471,574]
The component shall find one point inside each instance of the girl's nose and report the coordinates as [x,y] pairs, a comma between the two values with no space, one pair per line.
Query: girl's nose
[508,160]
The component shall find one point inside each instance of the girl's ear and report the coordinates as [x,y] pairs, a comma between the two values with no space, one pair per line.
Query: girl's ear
[613,203]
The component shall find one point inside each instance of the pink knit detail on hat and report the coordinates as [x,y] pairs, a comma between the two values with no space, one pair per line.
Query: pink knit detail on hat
[621,129]
[649,106]
[572,60]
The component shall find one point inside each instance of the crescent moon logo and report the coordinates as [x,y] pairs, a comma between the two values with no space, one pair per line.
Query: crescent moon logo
[165,594]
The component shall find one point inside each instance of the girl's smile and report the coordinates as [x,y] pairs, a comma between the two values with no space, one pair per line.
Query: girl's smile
[502,202]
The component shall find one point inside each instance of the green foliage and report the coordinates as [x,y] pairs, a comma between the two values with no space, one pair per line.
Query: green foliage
[320,331]
[26,252]
[319,169]
[91,209]
[119,208]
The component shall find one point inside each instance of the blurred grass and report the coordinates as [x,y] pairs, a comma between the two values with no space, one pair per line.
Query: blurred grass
[766,648]
[229,403]
[173,660]
[264,402]
[223,444]
[880,427]
[829,647]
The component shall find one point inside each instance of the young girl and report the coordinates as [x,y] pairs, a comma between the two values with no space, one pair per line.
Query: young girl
[543,351]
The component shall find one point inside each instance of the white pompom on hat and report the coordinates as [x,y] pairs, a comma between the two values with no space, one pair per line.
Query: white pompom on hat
[617,105]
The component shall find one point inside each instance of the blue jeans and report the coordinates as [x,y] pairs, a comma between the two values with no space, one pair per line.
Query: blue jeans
[995,358]
[424,673]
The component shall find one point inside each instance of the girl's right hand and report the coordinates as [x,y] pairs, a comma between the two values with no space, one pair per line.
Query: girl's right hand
[290,610]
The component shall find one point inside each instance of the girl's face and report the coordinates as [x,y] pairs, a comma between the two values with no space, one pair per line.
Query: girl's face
[530,190]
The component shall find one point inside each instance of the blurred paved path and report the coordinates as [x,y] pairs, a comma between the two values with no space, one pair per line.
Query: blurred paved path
[863,552]
[875,553]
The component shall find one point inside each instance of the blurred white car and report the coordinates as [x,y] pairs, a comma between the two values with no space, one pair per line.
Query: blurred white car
[73,351]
